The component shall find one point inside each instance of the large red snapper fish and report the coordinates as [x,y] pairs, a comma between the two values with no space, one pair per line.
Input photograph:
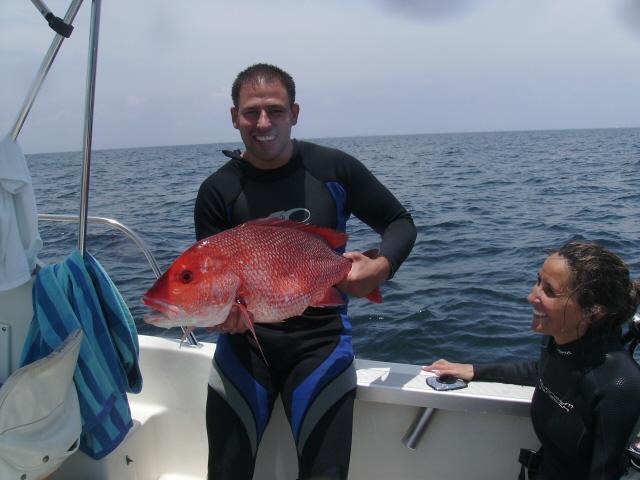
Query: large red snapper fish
[271,269]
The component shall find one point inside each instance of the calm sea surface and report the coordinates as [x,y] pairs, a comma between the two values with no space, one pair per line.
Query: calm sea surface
[488,206]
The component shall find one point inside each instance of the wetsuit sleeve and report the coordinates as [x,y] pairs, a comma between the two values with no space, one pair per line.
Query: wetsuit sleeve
[521,373]
[616,411]
[376,206]
[209,213]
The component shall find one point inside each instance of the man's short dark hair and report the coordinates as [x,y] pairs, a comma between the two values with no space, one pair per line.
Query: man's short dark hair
[263,72]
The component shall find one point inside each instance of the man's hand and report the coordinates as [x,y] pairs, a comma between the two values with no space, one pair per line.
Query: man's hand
[233,323]
[365,275]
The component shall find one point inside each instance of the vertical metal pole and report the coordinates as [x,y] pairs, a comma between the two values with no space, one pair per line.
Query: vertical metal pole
[88,122]
[44,69]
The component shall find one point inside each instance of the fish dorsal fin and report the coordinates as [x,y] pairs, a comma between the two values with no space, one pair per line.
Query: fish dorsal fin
[334,238]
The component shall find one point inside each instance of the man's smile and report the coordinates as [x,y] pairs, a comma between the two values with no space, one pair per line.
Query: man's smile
[264,138]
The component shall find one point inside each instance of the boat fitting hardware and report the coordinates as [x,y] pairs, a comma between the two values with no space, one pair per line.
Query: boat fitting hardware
[57,24]
[414,434]
[43,70]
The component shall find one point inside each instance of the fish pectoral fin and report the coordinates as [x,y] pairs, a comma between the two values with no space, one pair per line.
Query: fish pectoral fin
[248,321]
[330,298]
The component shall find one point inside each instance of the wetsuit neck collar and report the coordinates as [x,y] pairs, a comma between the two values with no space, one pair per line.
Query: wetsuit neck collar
[594,343]
[262,174]
[235,154]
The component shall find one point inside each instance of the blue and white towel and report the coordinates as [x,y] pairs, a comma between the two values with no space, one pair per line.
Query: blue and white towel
[78,293]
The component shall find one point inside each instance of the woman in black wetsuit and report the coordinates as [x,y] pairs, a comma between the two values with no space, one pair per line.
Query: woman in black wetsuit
[587,396]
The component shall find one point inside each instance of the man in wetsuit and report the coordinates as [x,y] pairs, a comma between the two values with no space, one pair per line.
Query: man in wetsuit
[310,358]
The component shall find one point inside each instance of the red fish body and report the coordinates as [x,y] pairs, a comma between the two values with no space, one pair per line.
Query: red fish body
[273,268]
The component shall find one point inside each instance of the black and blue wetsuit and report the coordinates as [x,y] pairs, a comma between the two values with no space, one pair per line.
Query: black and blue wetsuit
[310,357]
[584,407]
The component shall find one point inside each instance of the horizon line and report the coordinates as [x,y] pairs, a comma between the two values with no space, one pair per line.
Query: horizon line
[374,135]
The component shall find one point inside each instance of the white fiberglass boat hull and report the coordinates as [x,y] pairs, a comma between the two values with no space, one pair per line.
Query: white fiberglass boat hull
[474,433]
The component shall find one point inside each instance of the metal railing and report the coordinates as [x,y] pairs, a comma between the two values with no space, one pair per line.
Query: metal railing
[190,337]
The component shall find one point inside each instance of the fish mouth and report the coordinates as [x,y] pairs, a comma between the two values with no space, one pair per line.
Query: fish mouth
[168,309]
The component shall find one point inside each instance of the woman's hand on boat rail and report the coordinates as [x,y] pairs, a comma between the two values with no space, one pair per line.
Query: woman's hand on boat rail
[443,367]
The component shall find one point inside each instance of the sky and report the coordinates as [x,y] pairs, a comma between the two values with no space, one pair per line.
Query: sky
[362,67]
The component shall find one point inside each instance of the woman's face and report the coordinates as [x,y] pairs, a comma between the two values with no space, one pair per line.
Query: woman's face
[555,311]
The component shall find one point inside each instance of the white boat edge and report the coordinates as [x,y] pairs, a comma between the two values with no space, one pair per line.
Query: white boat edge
[475,432]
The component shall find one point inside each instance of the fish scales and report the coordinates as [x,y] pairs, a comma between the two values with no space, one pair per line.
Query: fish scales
[275,268]
[280,281]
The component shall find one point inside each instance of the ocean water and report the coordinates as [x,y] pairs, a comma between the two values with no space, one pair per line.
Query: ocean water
[488,207]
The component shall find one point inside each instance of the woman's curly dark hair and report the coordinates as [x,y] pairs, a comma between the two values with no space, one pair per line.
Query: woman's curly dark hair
[601,283]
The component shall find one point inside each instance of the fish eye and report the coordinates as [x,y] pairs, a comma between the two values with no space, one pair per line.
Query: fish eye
[186,276]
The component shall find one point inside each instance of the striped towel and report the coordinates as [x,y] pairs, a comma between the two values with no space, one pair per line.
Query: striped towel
[78,293]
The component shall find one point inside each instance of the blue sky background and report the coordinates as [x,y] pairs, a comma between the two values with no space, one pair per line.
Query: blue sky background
[362,67]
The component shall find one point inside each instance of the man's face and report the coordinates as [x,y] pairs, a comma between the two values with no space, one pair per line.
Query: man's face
[264,117]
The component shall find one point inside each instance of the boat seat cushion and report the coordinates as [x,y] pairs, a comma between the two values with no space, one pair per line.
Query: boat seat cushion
[40,422]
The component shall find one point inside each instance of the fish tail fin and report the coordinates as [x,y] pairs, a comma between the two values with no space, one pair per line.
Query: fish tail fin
[372,253]
[246,318]
[375,296]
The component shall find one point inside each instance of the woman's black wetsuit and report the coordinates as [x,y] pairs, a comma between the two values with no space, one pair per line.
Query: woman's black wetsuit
[584,407]
[310,357]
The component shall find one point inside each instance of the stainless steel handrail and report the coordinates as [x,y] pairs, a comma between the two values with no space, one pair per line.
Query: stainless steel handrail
[115,224]
[190,337]
[90,93]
